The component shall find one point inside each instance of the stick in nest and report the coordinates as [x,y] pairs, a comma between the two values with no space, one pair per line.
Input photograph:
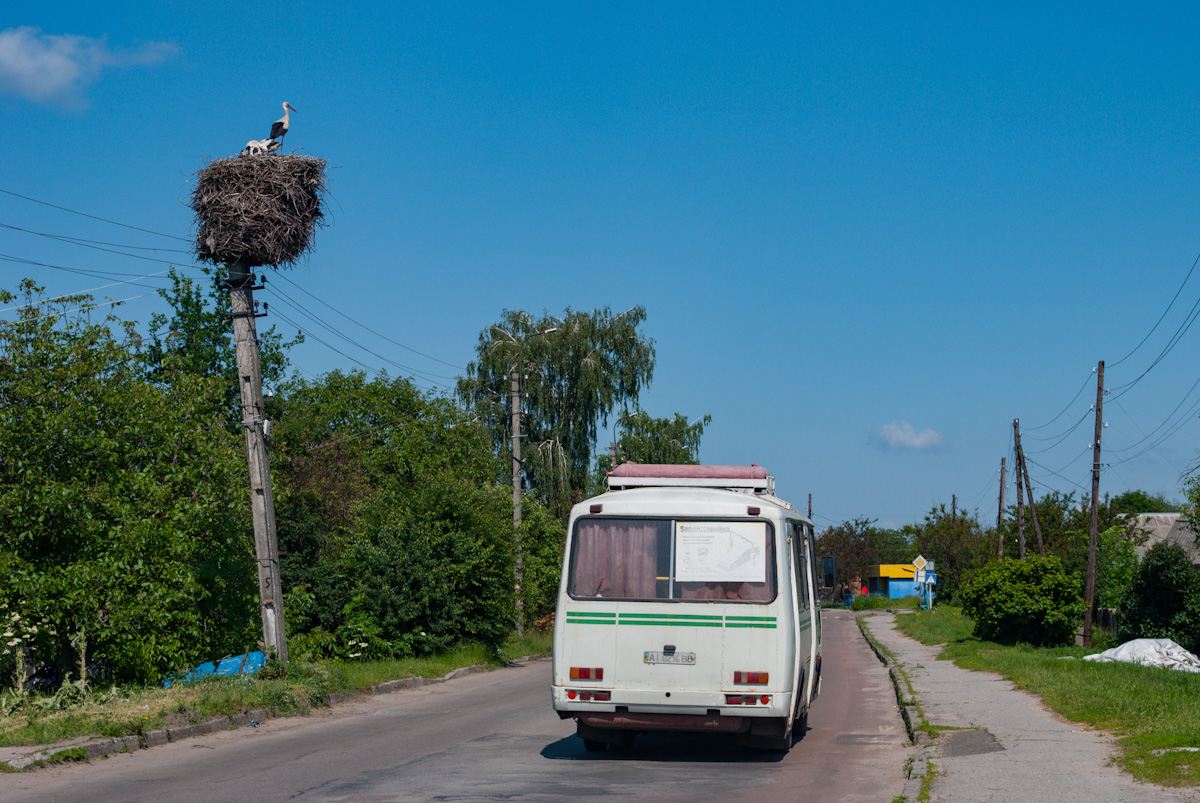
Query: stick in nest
[261,210]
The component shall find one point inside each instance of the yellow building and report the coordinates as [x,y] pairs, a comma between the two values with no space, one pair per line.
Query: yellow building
[891,580]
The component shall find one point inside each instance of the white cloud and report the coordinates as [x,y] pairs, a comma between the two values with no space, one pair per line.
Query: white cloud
[53,70]
[899,436]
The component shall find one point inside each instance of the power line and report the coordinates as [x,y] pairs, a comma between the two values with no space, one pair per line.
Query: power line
[94,217]
[1167,349]
[364,326]
[1160,317]
[1061,437]
[1087,381]
[1160,426]
[82,241]
[92,290]
[1055,473]
[318,321]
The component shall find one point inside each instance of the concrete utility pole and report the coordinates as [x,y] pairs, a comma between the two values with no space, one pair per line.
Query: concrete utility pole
[1000,515]
[262,502]
[519,560]
[1090,596]
[519,557]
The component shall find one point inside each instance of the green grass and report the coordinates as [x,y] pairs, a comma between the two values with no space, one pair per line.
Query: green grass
[294,689]
[1147,709]
[872,602]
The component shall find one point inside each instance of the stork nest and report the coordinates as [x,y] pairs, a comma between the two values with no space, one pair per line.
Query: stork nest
[259,210]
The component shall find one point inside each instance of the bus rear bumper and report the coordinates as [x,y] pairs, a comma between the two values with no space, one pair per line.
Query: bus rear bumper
[638,721]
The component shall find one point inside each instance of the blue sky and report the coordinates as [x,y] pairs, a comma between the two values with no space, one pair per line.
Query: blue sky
[867,238]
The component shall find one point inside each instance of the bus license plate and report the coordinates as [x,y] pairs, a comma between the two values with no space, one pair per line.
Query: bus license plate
[686,658]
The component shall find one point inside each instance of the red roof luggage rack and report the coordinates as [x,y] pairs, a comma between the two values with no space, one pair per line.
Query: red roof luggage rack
[637,475]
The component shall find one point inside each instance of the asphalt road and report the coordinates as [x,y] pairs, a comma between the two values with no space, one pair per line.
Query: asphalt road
[493,736]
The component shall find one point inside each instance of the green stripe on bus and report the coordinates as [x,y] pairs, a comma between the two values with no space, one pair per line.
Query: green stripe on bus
[770,625]
[592,615]
[749,618]
[671,623]
[708,617]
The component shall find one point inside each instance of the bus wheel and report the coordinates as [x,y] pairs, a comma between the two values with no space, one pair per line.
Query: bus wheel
[800,728]
[594,745]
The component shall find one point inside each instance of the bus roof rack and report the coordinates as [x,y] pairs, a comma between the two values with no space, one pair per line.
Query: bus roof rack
[753,477]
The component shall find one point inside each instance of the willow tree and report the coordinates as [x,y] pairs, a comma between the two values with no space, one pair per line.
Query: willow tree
[575,372]
[645,439]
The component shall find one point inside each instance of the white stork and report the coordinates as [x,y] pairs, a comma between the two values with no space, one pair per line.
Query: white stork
[256,147]
[280,127]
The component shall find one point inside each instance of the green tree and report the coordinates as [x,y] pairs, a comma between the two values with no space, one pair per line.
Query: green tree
[591,364]
[393,521]
[859,544]
[645,439]
[1034,601]
[1133,502]
[197,337]
[1191,507]
[121,500]
[957,545]
[1163,601]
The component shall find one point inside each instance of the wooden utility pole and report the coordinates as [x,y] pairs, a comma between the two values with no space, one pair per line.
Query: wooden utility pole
[953,508]
[1020,498]
[1000,515]
[1090,595]
[810,507]
[519,560]
[1037,528]
[262,502]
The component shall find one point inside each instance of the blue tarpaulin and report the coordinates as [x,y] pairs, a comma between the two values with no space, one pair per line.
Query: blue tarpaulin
[245,664]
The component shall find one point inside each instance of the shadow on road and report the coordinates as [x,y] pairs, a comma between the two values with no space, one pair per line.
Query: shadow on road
[696,748]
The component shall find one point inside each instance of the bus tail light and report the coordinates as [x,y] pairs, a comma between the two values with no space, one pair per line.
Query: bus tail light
[753,678]
[587,673]
[748,699]
[597,696]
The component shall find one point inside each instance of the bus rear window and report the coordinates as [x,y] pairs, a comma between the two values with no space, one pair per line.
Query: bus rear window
[649,559]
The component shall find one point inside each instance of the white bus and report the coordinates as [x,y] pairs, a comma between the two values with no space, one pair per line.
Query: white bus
[687,603]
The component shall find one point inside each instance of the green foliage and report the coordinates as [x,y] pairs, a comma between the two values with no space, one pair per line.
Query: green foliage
[399,539]
[198,339]
[1034,601]
[1163,600]
[956,544]
[645,439]
[1116,561]
[117,501]
[1133,502]
[858,544]
[575,377]
[1191,507]
[543,538]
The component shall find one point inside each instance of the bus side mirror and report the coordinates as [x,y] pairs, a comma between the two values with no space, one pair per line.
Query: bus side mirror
[828,572]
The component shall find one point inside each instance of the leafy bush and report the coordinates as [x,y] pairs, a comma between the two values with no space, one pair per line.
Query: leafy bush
[1163,600]
[1033,601]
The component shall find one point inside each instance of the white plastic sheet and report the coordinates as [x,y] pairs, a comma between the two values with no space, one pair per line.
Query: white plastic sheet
[1150,652]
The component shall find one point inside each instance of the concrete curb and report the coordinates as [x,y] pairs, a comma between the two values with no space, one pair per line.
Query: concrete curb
[98,748]
[909,713]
